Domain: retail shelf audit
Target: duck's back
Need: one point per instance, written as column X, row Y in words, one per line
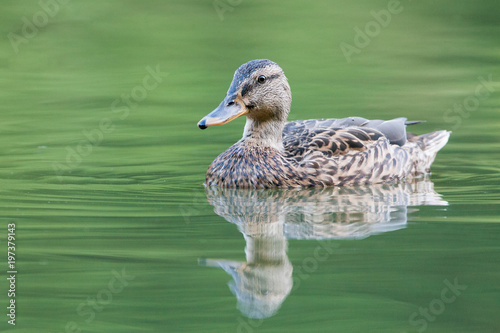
column 329, row 152
column 359, row 151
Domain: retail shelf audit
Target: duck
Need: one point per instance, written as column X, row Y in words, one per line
column 276, row 153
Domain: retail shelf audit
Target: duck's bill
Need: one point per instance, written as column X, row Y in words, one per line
column 224, row 113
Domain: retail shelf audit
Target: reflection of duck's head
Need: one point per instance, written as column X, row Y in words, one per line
column 267, row 218
column 262, row 283
column 260, row 288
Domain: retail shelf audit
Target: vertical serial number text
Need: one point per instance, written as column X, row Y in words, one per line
column 11, row 272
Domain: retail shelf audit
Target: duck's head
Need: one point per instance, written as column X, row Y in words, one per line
column 259, row 90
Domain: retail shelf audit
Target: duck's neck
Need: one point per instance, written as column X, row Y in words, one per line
column 264, row 133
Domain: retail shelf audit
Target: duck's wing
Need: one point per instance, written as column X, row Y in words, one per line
column 338, row 136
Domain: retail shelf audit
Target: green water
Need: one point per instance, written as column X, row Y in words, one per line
column 102, row 166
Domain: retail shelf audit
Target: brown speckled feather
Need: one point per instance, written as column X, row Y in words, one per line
column 318, row 155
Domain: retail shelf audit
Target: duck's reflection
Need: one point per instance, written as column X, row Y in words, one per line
column 267, row 218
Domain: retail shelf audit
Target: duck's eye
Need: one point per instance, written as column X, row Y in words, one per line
column 261, row 79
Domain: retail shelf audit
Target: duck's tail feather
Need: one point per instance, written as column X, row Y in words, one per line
column 433, row 142
column 429, row 145
column 414, row 122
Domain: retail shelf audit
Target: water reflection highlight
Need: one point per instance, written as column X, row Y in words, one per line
column 268, row 218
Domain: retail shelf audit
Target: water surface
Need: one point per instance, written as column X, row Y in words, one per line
column 102, row 167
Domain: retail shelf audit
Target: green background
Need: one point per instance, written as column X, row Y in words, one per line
column 133, row 198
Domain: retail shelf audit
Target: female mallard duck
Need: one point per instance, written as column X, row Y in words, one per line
column 319, row 152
